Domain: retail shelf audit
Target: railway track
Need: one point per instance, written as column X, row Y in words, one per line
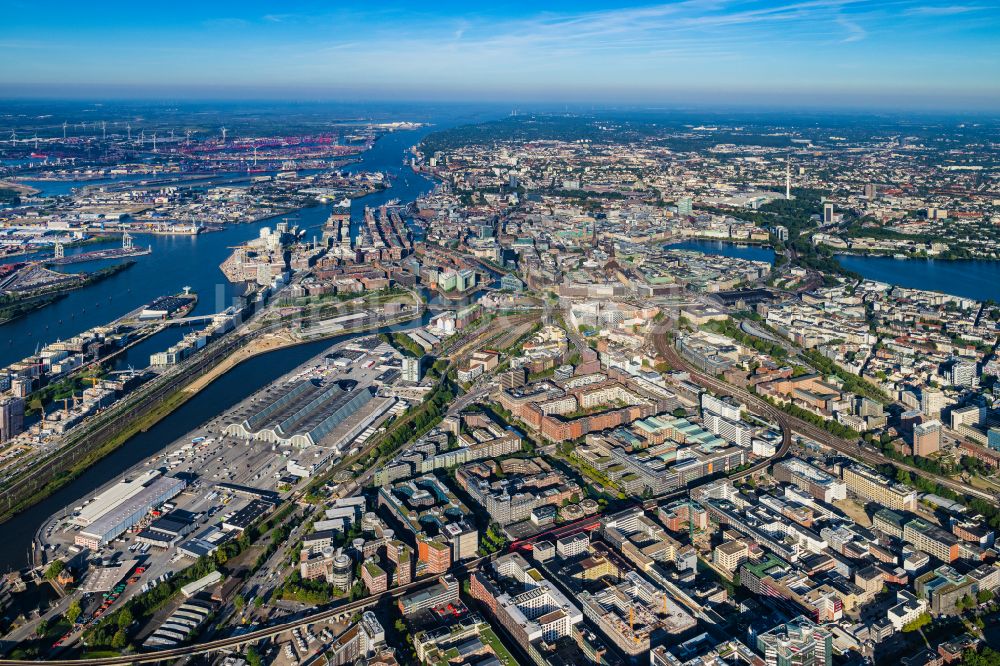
column 666, row 350
column 790, row 424
column 265, row 633
column 91, row 436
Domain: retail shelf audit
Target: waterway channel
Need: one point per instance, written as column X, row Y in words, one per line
column 179, row 261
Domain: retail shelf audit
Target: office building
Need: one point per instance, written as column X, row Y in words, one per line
column 931, row 540
column 973, row 415
column 814, row 481
column 927, row 438
column 441, row 593
column 573, row 545
column 943, row 588
column 993, row 439
column 433, row 553
column 907, row 609
column 870, row 485
column 11, row 417
column 464, row 540
column 964, row 373
column 800, row 642
column 931, row 402
column 731, row 554
column 375, row 577
column 725, row 407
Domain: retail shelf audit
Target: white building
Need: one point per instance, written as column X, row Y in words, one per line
column 908, row 609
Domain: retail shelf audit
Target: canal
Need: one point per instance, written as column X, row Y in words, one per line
column 193, row 261
column 179, row 261
column 222, row 394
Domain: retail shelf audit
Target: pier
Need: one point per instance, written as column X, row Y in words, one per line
column 126, row 250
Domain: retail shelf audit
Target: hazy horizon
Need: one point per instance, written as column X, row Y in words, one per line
column 844, row 54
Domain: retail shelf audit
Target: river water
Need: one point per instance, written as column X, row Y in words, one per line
column 976, row 279
column 751, row 252
column 179, row 261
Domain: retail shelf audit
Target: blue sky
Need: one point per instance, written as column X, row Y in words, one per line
column 915, row 53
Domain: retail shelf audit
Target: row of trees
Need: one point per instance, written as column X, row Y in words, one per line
column 730, row 329
column 990, row 513
column 832, row 427
column 419, row 420
column 852, row 383
column 113, row 629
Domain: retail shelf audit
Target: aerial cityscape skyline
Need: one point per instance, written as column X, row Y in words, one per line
column 573, row 334
column 820, row 53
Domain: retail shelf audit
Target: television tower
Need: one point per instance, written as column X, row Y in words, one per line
column 788, row 181
column 128, row 128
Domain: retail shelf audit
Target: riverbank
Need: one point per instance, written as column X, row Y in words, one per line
column 29, row 302
column 904, row 256
column 179, row 261
column 164, row 407
column 20, row 188
column 976, row 279
column 18, row 309
column 97, row 276
column 723, row 248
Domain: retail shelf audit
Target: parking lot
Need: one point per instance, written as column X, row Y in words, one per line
column 205, row 458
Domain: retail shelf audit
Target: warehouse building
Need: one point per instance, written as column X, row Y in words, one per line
column 303, row 416
column 109, row 525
